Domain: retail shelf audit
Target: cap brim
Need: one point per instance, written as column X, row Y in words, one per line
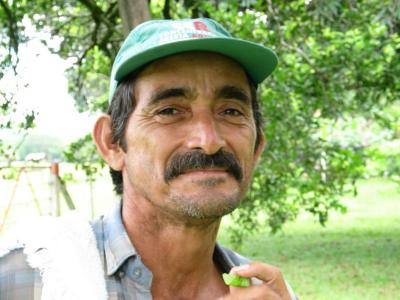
column 257, row 60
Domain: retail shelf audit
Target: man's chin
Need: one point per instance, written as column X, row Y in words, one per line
column 206, row 204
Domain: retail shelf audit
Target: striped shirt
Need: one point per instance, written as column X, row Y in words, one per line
column 127, row 278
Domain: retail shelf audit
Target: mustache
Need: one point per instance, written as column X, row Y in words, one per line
column 198, row 160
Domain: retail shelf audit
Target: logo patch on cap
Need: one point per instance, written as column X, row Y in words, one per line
column 186, row 30
column 199, row 25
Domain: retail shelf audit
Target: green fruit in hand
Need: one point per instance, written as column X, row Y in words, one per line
column 236, row 280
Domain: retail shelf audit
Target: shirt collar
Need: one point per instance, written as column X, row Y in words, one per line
column 222, row 258
column 117, row 245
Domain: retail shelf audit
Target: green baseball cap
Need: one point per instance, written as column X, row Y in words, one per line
column 156, row 39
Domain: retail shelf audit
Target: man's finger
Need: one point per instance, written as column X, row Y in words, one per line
column 267, row 274
column 262, row 271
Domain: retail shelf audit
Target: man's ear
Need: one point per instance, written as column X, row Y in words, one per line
column 260, row 147
column 113, row 154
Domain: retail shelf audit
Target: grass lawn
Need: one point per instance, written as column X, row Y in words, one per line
column 356, row 256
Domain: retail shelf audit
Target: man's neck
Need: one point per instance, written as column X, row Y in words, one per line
column 179, row 254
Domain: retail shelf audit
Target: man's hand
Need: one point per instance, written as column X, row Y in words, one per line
column 272, row 285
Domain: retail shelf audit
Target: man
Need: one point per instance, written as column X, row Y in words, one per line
column 182, row 137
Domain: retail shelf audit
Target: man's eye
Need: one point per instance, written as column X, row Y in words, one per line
column 169, row 111
column 233, row 112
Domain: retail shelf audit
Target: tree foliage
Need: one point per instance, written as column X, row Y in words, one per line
column 12, row 34
column 339, row 60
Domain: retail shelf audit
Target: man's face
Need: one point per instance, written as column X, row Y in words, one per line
column 190, row 142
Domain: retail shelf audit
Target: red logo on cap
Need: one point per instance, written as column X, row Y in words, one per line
column 200, row 25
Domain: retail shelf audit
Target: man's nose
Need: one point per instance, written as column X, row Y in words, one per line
column 205, row 133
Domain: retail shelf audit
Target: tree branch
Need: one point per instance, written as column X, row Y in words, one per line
column 12, row 27
column 96, row 12
column 166, row 9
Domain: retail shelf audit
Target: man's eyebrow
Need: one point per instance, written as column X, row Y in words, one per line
column 234, row 92
column 164, row 94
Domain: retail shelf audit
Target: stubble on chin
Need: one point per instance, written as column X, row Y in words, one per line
column 211, row 206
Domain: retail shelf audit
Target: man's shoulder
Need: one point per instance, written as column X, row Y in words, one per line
column 14, row 259
column 18, row 280
column 57, row 256
column 14, row 264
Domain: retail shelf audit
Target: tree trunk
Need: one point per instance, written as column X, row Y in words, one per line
column 133, row 12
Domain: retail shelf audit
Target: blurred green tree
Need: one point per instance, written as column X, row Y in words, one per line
column 339, row 60
column 52, row 147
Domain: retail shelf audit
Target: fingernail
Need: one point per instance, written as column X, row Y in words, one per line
column 241, row 268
